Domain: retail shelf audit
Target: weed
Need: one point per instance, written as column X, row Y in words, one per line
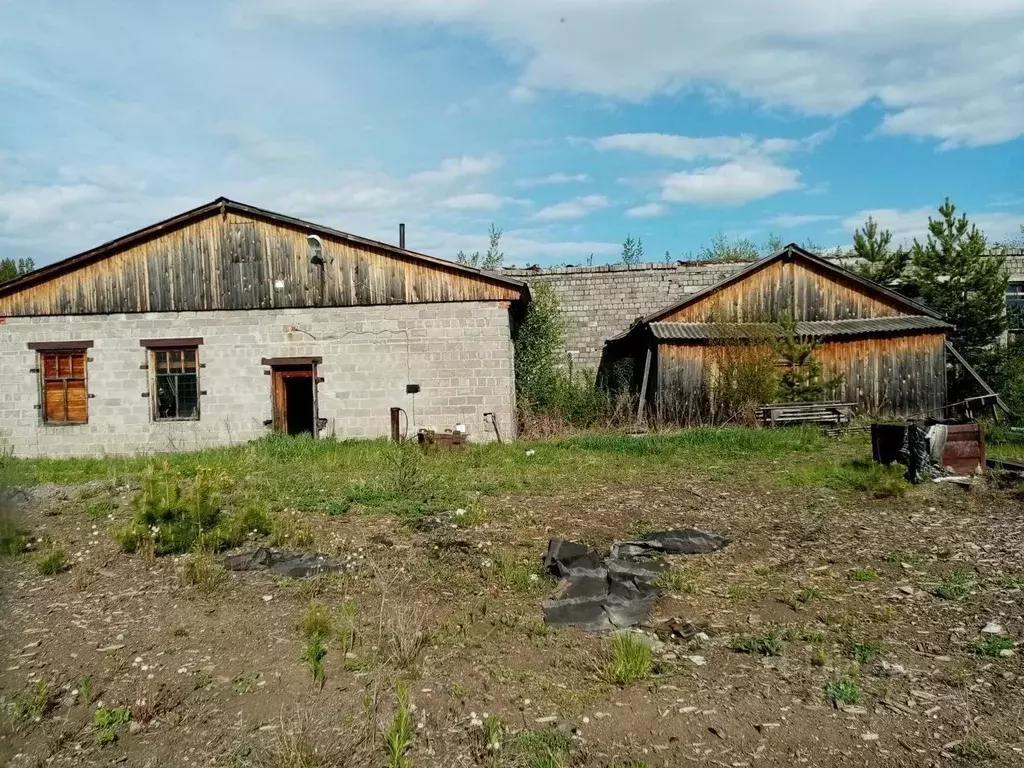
column 313, row 654
column 806, row 595
column 492, row 734
column 767, row 644
column 245, row 683
column 540, row 749
column 202, row 679
column 12, row 538
column 316, row 621
column 908, row 556
column 40, row 702
column 201, row 570
column 53, row 561
column 992, row 645
column 641, row 528
column 1013, row 582
column 107, row 721
column 679, row 581
column 398, row 734
column 865, row 652
column 347, row 628
column 845, row 691
column 819, row 658
column 864, row 574
column 85, row 690
column 954, row 586
column 288, row 531
column 404, row 636
column 973, row 749
column 100, row 509
column 631, row 660
column 858, row 475
column 180, row 632
column 525, row 578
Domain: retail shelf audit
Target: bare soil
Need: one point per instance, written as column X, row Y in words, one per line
column 217, row 678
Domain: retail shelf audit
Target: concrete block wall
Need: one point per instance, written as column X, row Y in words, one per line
column 459, row 353
column 601, row 302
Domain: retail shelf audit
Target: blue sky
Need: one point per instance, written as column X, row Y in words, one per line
column 569, row 123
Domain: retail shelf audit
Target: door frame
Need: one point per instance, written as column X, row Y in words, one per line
column 282, row 369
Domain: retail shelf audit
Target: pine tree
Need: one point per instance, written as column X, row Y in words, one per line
column 10, row 269
column 492, row 259
column 632, row 250
column 876, row 260
column 957, row 280
column 802, row 380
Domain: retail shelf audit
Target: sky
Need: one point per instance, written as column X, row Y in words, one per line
column 570, row 124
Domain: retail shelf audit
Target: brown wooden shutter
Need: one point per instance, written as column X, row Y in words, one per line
column 65, row 396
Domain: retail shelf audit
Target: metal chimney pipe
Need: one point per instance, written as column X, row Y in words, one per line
column 401, row 236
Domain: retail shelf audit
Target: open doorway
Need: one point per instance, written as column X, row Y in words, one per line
column 295, row 395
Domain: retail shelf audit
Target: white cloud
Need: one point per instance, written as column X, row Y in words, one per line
column 552, row 179
column 732, row 183
column 576, row 208
column 680, row 147
column 477, row 201
column 942, row 69
column 647, row 211
column 33, row 206
column 522, row 95
column 455, row 168
column 907, row 224
column 793, row 220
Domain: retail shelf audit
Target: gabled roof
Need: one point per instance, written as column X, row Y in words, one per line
column 812, row 328
column 791, row 251
column 224, row 205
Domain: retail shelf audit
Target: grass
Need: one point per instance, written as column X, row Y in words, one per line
column 864, row 574
column 202, row 571
column 313, row 654
column 107, row 721
column 85, row 690
column 908, row 556
column 861, row 475
column 53, row 561
column 865, row 652
column 631, row 660
column 540, row 749
column 767, row 644
column 844, row 691
column 992, row 645
column 12, row 538
column 398, row 734
column 523, row 577
column 33, row 706
column 973, row 749
column 954, row 586
column 679, row 581
column 492, row 732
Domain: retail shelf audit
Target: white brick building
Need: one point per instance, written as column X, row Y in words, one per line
column 228, row 322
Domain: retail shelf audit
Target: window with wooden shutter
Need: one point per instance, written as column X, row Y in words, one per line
column 65, row 393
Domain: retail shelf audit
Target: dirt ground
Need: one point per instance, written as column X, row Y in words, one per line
column 217, row 678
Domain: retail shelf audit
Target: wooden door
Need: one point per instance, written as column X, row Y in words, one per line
column 288, row 381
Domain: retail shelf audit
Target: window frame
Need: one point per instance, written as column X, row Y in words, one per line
column 57, row 348
column 156, row 347
column 1015, row 306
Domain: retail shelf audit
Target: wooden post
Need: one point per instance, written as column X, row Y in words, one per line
column 643, row 389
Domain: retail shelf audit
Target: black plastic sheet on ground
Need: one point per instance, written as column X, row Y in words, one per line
column 295, row 565
column 601, row 593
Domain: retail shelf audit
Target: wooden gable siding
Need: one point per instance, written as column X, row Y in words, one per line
column 786, row 287
column 231, row 261
column 903, row 374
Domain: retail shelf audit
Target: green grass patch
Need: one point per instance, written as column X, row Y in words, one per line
column 864, row 574
column 908, row 556
column 993, row 645
column 12, row 538
column 524, row 577
column 861, row 475
column 845, row 691
column 107, row 721
column 865, row 652
column 680, row 581
column 631, row 660
column 954, row 586
column 540, row 749
column 52, row 561
column 766, row 644
column 973, row 750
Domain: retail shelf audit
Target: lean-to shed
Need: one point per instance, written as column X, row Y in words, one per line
column 888, row 350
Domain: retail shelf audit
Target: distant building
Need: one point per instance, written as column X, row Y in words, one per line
column 228, row 322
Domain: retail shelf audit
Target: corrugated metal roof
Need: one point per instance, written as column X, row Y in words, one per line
column 816, row 328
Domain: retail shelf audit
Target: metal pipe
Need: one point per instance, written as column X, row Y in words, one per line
column 401, row 236
column 396, row 424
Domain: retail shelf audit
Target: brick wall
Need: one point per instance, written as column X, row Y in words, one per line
column 601, row 302
column 459, row 353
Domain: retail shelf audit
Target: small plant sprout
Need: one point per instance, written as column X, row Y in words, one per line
column 631, row 659
column 398, row 734
column 107, row 721
column 492, row 734
column 992, row 646
column 864, row 652
column 313, row 656
column 844, row 691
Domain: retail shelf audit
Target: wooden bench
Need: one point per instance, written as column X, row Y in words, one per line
column 779, row 414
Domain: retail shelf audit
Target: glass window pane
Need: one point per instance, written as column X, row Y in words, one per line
column 190, row 359
column 188, row 396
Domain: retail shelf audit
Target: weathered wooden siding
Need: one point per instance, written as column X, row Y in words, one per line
column 231, row 261
column 887, row 375
column 783, row 288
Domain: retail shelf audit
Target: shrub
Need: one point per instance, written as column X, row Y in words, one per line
column 631, row 660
